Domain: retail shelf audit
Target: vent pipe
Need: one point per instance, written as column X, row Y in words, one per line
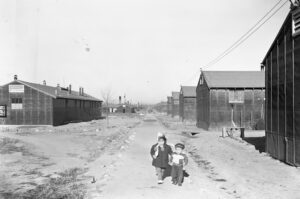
column 70, row 89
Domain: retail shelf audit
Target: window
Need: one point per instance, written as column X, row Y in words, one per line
column 3, row 111
column 236, row 96
column 16, row 100
column 296, row 22
column 16, row 103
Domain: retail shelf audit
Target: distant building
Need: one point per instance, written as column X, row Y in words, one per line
column 228, row 98
column 25, row 103
column 126, row 108
column 282, row 66
column 110, row 108
column 187, row 103
column 175, row 104
column 169, row 105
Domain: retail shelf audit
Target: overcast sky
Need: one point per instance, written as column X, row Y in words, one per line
column 144, row 48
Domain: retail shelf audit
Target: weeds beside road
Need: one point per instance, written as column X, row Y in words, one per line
column 54, row 162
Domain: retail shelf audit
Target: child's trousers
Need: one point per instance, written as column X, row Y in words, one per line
column 160, row 173
column 177, row 173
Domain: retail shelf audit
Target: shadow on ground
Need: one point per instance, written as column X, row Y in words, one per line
column 258, row 142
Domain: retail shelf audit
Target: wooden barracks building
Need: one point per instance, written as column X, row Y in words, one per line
column 228, row 98
column 25, row 103
column 282, row 66
column 187, row 103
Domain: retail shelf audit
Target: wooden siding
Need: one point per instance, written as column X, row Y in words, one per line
column 37, row 107
column 246, row 114
column 282, row 65
column 71, row 110
column 187, row 108
column 214, row 110
column 203, row 106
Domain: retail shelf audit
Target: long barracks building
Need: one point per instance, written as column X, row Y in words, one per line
column 25, row 103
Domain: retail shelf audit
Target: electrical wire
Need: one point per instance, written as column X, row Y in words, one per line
column 243, row 38
column 249, row 33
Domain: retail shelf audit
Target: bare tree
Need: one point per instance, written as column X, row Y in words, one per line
column 107, row 99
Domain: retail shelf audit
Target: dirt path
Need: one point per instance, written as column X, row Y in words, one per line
column 33, row 158
column 134, row 177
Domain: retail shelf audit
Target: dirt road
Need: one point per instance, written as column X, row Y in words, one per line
column 94, row 161
column 134, row 177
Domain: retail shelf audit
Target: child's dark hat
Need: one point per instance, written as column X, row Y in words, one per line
column 179, row 145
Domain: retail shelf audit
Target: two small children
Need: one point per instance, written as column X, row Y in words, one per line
column 163, row 156
column 178, row 161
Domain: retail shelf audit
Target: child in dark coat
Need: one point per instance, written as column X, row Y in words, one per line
column 178, row 161
column 161, row 154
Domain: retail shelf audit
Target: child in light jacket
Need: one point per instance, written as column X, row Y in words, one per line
column 178, row 161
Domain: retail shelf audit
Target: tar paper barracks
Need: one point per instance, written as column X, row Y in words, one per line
column 282, row 66
column 25, row 103
column 187, row 103
column 230, row 98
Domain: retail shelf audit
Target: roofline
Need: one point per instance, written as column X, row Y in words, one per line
column 236, row 87
column 20, row 81
column 182, row 93
column 273, row 43
column 211, row 87
column 48, row 94
column 61, row 97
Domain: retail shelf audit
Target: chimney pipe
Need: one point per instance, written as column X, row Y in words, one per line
column 44, row 82
column 57, row 89
column 82, row 91
column 15, row 77
column 70, row 89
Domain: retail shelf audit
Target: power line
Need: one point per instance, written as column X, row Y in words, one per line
column 192, row 77
column 247, row 32
column 250, row 32
column 243, row 38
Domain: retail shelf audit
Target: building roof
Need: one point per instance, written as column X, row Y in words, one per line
column 188, row 91
column 53, row 92
column 234, row 79
column 175, row 95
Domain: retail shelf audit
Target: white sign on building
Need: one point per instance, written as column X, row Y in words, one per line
column 16, row 106
column 16, row 88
